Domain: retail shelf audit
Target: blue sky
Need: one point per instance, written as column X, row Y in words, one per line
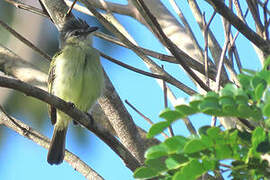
column 23, row 159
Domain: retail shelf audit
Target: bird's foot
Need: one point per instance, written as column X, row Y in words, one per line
column 71, row 104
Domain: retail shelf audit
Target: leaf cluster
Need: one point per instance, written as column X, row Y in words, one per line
column 213, row 150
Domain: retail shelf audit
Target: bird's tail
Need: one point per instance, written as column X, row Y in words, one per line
column 57, row 147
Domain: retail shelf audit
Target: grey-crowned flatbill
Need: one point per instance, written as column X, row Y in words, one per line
column 76, row 76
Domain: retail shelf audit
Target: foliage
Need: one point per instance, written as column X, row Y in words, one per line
column 213, row 150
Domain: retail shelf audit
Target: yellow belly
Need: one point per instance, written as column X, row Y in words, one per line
column 78, row 77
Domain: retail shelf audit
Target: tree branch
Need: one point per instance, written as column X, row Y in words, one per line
column 28, row 132
column 12, row 64
column 177, row 84
column 113, row 7
column 28, row 43
column 76, row 114
column 26, row 7
column 113, row 106
column 221, row 8
column 169, row 44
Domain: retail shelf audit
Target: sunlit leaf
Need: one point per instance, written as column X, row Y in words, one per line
column 193, row 146
column 145, row 172
column 171, row 115
column 156, row 151
column 157, row 128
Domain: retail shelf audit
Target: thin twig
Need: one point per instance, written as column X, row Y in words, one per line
column 253, row 7
column 214, row 121
column 266, row 24
column 262, row 4
column 162, row 77
column 26, row 7
column 192, row 63
column 166, row 101
column 12, row 120
column 144, row 117
column 205, row 35
column 25, row 41
column 71, row 7
column 238, row 10
column 227, row 30
column 252, row 36
column 169, row 44
column 187, row 26
column 153, row 66
column 232, row 42
column 221, row 62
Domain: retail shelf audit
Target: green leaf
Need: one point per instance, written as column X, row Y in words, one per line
column 175, row 161
column 241, row 96
column 244, row 111
column 245, row 136
column 226, row 100
column 191, row 171
column 209, row 164
column 171, row 115
column 228, row 91
column 266, row 63
column 156, row 164
column 258, row 136
column 195, row 100
column 156, row 151
column 194, row 145
column 259, row 91
column 186, row 110
column 265, row 74
column 175, row 143
column 223, row 152
column 229, row 110
column 256, row 80
column 207, row 141
column 144, row 173
column 211, row 94
column 202, row 130
column 257, row 114
column 213, row 132
column 266, row 109
column 263, row 147
column 157, row 128
column 249, row 71
column 210, row 106
column 244, row 80
column 179, row 175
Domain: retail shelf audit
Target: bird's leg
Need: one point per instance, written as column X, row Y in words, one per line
column 90, row 117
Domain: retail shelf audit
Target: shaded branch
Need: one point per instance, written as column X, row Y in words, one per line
column 113, row 7
column 26, row 7
column 24, row 40
column 12, row 64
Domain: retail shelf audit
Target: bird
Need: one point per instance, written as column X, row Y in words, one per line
column 76, row 76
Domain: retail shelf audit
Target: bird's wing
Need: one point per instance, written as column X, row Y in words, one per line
column 51, row 77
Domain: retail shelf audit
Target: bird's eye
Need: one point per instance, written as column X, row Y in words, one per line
column 76, row 33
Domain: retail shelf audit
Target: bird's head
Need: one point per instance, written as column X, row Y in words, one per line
column 76, row 31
